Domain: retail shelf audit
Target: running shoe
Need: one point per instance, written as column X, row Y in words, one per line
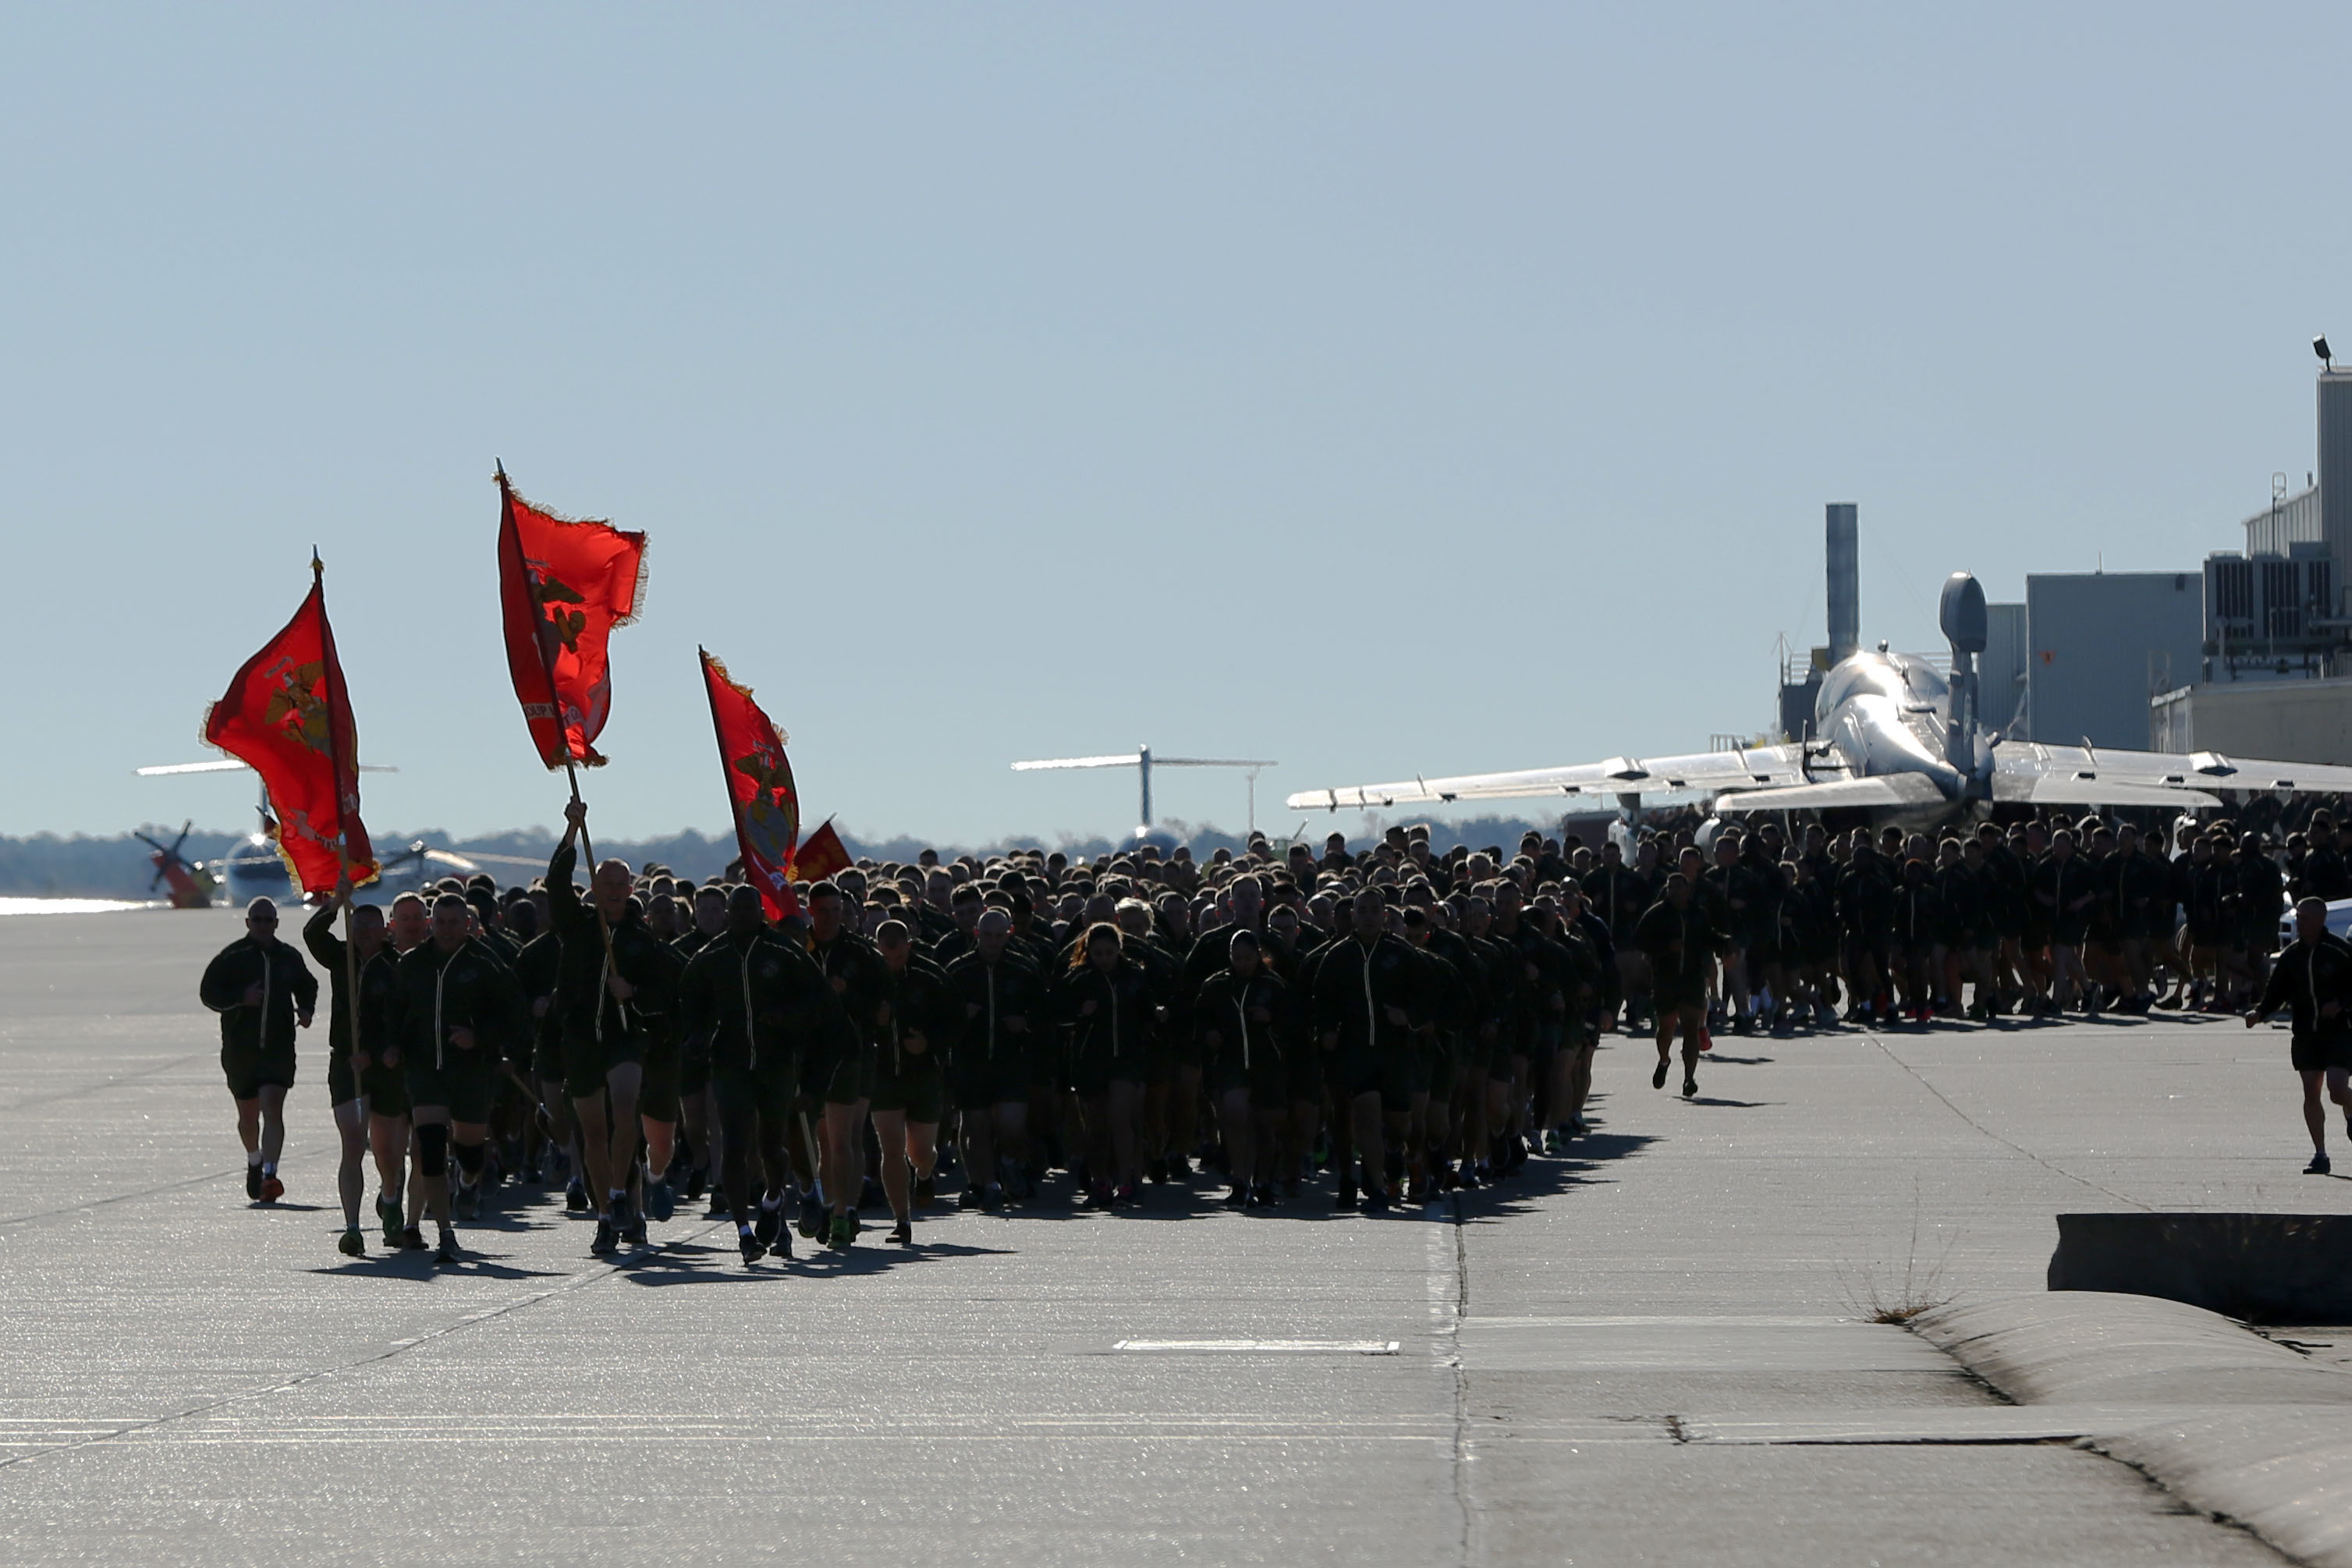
column 767, row 1224
column 468, row 1200
column 1376, row 1202
column 575, row 1198
column 1344, row 1201
column 1658, row 1078
column 1553, row 1140
column 2319, row 1166
column 812, row 1224
column 695, row 1180
column 926, row 1190
column 1123, row 1194
column 1238, row 1197
column 447, row 1251
column 1156, row 1171
column 661, row 1200
column 607, row 1242
column 843, row 1234
column 968, row 1199
column 903, row 1232
column 253, row 1182
column 1262, row 1196
column 412, row 1239
column 387, row 1214
column 991, row 1197
column 272, row 1189
column 720, row 1207
column 631, row 1221
column 753, row 1247
column 353, row 1244
column 1690, row 1085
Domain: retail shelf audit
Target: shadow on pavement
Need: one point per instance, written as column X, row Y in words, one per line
column 1550, row 1176
column 421, row 1267
column 689, row 1264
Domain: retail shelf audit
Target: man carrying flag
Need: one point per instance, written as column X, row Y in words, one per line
column 287, row 716
column 563, row 586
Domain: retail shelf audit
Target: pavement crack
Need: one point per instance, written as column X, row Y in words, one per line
column 286, row 1158
column 118, row 1081
column 202, row 1407
column 1676, row 1429
column 1981, row 1127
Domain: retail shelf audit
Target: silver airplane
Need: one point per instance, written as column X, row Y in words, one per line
column 1892, row 735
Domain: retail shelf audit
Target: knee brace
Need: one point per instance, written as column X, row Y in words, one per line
column 470, row 1161
column 432, row 1150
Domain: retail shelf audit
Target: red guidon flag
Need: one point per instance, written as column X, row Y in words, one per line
column 286, row 715
column 759, row 786
column 563, row 587
column 821, row 856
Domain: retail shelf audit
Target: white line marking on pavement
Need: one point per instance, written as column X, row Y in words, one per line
column 1278, row 1347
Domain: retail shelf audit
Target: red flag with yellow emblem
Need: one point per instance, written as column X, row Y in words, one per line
column 759, row 787
column 821, row 856
column 563, row 587
column 287, row 716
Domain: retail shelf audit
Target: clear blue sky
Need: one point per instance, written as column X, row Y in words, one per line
column 1382, row 389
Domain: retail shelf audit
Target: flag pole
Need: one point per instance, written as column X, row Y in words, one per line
column 342, row 833
column 554, row 701
column 702, row 661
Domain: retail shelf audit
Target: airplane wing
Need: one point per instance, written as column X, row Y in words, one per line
column 1889, row 790
column 2094, row 775
column 1761, row 767
column 2053, row 789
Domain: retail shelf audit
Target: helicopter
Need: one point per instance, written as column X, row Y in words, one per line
column 192, row 886
column 253, row 869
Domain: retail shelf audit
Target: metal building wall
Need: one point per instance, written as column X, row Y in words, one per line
column 2292, row 520
column 2336, row 459
column 2000, row 669
column 2286, row 721
column 2100, row 645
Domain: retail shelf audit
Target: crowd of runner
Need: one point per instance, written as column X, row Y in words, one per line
column 1402, row 1021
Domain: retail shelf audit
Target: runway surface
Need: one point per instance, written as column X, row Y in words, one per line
column 1616, row 1358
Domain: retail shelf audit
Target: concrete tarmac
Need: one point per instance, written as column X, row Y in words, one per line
column 1654, row 1351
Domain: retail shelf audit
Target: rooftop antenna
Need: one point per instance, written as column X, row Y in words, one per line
column 2319, row 347
column 1143, row 762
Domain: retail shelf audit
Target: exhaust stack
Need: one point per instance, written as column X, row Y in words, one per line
column 1844, row 555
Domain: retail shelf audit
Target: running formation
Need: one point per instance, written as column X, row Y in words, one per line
column 1398, row 1022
